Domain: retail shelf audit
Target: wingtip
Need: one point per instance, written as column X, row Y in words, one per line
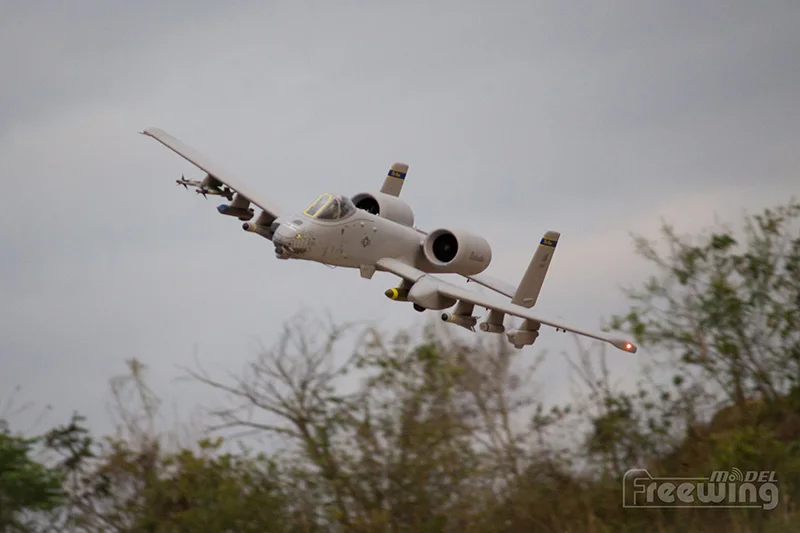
column 629, row 347
column 625, row 346
column 151, row 131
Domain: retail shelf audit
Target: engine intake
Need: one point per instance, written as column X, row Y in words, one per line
column 457, row 251
column 385, row 206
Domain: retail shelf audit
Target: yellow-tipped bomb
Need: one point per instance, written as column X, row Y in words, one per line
column 400, row 295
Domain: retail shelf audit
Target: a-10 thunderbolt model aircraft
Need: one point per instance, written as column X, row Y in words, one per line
column 374, row 231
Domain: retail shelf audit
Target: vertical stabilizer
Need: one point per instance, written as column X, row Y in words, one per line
column 395, row 178
column 528, row 291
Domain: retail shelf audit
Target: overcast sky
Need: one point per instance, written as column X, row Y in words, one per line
column 515, row 117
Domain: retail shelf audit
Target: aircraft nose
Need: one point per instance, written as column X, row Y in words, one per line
column 282, row 234
column 279, row 230
column 284, row 238
column 273, row 228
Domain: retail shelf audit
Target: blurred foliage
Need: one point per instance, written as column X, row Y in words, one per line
column 433, row 434
column 26, row 485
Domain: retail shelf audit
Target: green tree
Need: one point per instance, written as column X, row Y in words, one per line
column 726, row 306
column 203, row 490
column 421, row 444
column 27, row 487
column 136, row 481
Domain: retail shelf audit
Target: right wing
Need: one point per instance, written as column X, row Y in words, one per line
column 433, row 284
column 202, row 162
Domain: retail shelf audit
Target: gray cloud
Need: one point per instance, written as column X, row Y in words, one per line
column 514, row 120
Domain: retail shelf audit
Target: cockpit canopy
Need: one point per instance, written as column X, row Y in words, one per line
column 330, row 207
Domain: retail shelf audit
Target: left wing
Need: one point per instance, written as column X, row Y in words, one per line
column 199, row 160
column 433, row 284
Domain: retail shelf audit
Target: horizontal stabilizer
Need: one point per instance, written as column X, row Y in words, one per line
column 395, row 178
column 531, row 285
column 497, row 285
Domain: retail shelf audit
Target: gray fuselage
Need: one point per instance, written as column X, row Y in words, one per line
column 360, row 239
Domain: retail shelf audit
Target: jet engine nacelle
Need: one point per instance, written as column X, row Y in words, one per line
column 385, row 206
column 457, row 251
